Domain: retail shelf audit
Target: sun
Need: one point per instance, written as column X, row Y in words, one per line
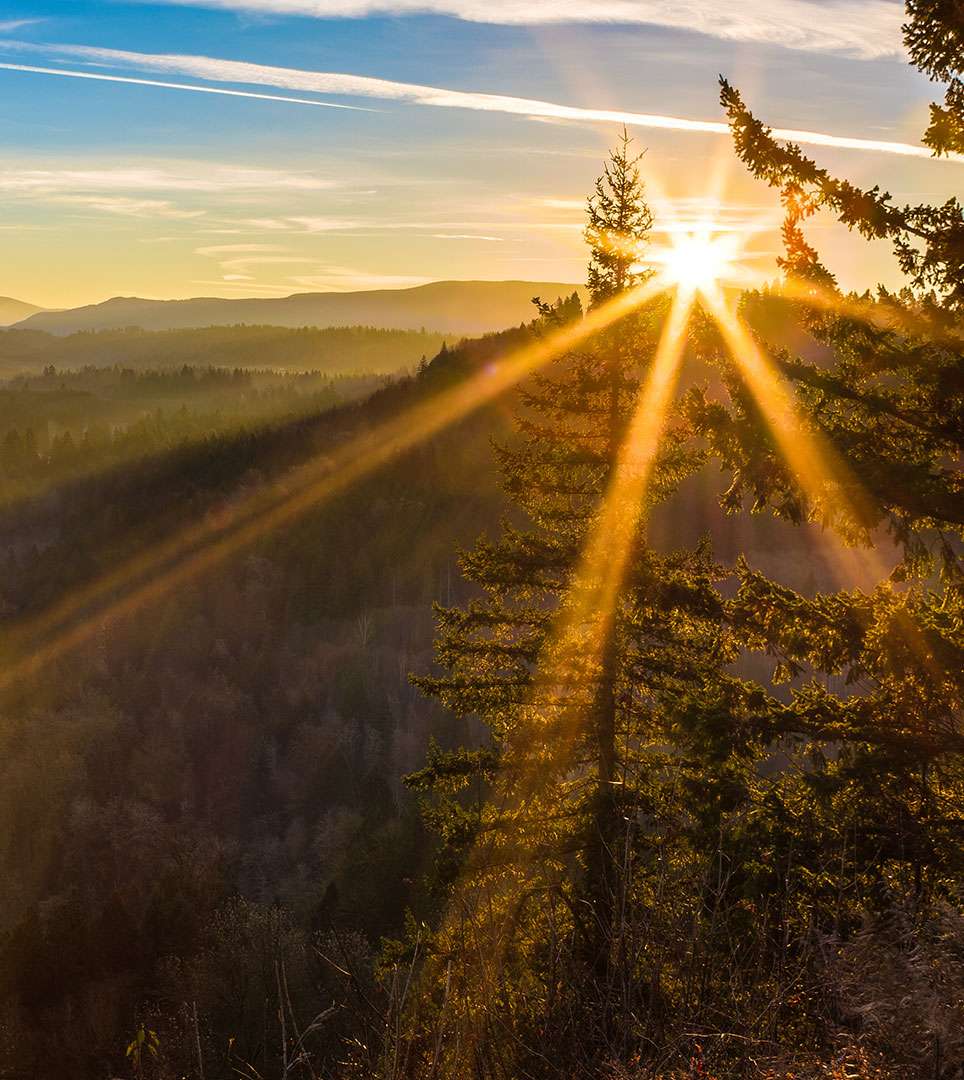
column 697, row 262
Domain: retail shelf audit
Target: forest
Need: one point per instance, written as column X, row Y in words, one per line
column 581, row 700
column 349, row 350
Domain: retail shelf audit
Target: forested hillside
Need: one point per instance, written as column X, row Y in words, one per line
column 356, row 350
column 63, row 425
column 193, row 797
column 224, row 776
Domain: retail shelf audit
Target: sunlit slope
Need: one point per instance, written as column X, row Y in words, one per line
column 457, row 307
column 116, row 514
column 258, row 717
column 13, row 311
column 349, row 350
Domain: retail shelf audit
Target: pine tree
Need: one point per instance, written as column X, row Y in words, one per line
column 876, row 815
column 577, row 783
column 934, row 36
column 891, row 401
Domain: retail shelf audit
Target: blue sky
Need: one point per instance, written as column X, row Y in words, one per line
column 438, row 170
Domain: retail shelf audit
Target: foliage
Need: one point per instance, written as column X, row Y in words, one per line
column 666, row 849
column 552, row 860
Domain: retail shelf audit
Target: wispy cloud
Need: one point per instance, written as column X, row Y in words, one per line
column 153, row 190
column 217, row 250
column 234, row 71
column 10, row 26
column 207, row 179
column 235, row 260
column 323, row 224
column 239, row 285
column 862, row 28
column 97, row 77
column 564, row 204
column 125, row 206
column 324, row 278
column 467, row 236
column 346, row 278
column 244, row 263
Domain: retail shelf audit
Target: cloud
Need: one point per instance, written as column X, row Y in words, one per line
column 9, row 26
column 244, row 263
column 134, row 190
column 125, row 206
column 346, row 278
column 323, row 224
column 267, row 224
column 247, row 288
column 176, row 86
column 297, row 225
column 235, row 260
column 206, row 179
column 235, row 71
column 216, row 250
column 861, row 28
column 466, row 236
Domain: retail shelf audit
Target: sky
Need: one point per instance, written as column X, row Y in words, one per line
column 265, row 147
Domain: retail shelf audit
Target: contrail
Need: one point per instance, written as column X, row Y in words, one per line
column 214, row 69
column 180, row 86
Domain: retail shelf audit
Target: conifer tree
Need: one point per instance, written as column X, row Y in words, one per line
column 579, row 779
column 882, row 789
column 891, row 399
column 934, row 36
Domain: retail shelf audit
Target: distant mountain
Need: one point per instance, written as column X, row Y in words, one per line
column 14, row 311
column 452, row 307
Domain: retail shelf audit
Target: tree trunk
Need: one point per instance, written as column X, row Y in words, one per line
column 602, row 864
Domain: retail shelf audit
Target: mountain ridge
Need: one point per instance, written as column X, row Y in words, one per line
column 13, row 311
column 459, row 307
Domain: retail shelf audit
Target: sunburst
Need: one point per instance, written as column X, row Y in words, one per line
column 699, row 261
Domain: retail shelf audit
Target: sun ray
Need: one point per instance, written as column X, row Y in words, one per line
column 495, row 882
column 823, row 476
column 191, row 551
column 822, row 473
column 500, row 883
column 603, row 561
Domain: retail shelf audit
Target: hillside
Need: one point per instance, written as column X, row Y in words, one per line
column 347, row 350
column 14, row 311
column 453, row 307
column 238, row 781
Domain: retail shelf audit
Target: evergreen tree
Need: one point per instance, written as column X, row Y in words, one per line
column 586, row 712
column 934, row 36
column 890, row 402
column 876, row 815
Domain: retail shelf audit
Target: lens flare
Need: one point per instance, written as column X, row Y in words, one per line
column 697, row 262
